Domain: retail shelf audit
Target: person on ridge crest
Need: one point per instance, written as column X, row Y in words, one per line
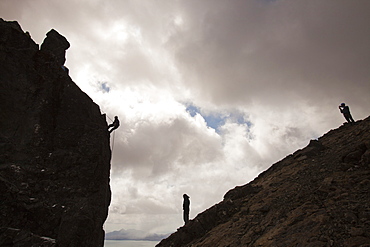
column 346, row 113
column 185, row 207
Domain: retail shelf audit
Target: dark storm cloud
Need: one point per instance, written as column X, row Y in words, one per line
column 249, row 51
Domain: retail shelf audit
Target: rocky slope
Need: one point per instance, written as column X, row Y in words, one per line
column 318, row 196
column 54, row 148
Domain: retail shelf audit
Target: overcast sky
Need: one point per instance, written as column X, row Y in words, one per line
column 209, row 92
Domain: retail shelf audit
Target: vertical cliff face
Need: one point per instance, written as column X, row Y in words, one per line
column 54, row 148
column 318, row 196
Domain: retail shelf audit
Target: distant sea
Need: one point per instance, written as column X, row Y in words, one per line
column 129, row 243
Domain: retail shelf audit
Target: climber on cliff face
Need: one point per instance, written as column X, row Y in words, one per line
column 115, row 124
column 185, row 207
column 346, row 113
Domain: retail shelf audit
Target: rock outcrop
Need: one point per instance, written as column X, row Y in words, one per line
column 318, row 196
column 54, row 148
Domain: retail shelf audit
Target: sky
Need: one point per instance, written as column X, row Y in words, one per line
column 209, row 93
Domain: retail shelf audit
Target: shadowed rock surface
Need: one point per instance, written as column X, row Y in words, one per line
column 54, row 148
column 318, row 196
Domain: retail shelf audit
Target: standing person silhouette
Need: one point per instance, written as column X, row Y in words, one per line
column 186, row 208
column 115, row 124
column 346, row 113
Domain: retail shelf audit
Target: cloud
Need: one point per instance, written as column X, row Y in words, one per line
column 275, row 54
column 209, row 93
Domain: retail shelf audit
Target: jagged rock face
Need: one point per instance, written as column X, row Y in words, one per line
column 54, row 148
column 318, row 196
column 56, row 45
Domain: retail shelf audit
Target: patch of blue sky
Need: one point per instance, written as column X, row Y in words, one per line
column 192, row 110
column 240, row 118
column 104, row 87
column 213, row 120
column 216, row 120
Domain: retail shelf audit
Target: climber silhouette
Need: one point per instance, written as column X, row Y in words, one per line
column 346, row 113
column 115, row 124
column 185, row 207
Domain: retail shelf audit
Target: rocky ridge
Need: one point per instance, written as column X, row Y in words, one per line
column 318, row 196
column 54, row 148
